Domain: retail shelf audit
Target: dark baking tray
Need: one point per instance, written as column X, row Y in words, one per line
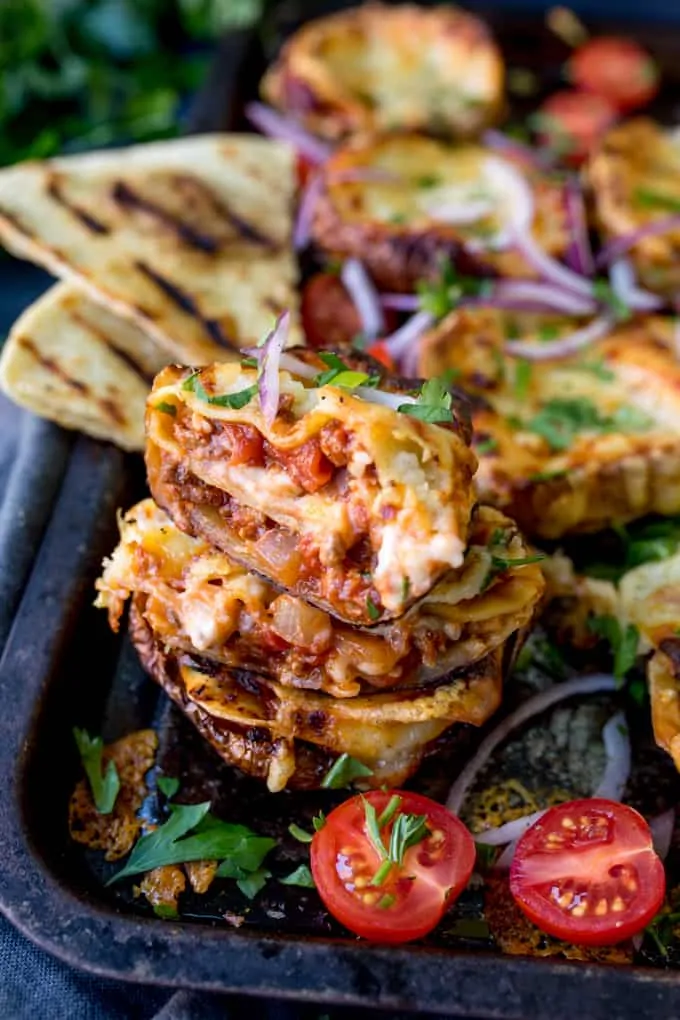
column 61, row 666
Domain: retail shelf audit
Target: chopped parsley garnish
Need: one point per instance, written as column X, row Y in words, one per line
column 318, row 821
column 343, row 771
column 548, row 333
column 191, row 833
column 233, row 400
column 640, row 542
column 397, row 218
column 656, row 200
column 523, row 370
column 433, row 403
column 104, row 785
column 405, row 587
column 541, row 652
column 596, row 367
column 340, row 374
column 499, row 564
column 560, row 420
column 165, row 408
column 623, row 642
column 547, row 476
column 605, row 294
column 372, row 609
column 249, row 363
column 662, row 930
column 407, row 831
column 488, row 445
column 301, row 877
column 168, row 785
column 428, row 181
column 441, row 296
column 299, row 834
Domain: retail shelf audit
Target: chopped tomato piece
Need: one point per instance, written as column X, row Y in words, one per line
column 571, row 123
column 363, row 887
column 308, row 465
column 380, row 351
column 617, row 69
column 586, row 872
column 247, row 445
column 304, row 168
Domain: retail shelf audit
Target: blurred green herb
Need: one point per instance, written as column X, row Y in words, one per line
column 640, row 542
column 623, row 642
column 104, row 784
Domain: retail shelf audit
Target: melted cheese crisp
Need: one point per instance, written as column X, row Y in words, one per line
column 357, row 507
column 635, row 180
column 574, row 444
column 389, row 67
column 197, row 599
column 402, row 202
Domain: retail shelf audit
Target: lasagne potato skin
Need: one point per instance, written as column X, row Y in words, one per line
column 602, row 478
column 636, row 160
column 376, row 67
column 290, row 738
column 392, row 225
column 381, row 521
column 198, row 600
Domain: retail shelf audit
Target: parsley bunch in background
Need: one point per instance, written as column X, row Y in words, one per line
column 75, row 74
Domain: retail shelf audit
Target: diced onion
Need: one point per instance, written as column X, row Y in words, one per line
column 620, row 245
column 272, row 123
column 269, row 384
column 365, row 297
column 279, row 550
column 622, row 279
column 662, row 828
column 305, row 212
column 409, row 334
column 591, row 684
column 563, row 347
column 299, row 624
column 617, row 749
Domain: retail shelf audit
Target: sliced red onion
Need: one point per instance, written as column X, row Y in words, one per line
column 391, row 400
column 400, row 302
column 365, row 297
column 269, row 383
column 287, row 362
column 563, row 347
column 502, row 178
column 547, row 294
column 511, row 147
column 547, row 267
column 662, row 828
column 620, row 245
column 305, row 212
column 272, row 123
column 460, row 212
column 510, row 832
column 505, row 860
column 408, row 335
column 580, row 255
column 637, row 941
column 622, row 279
column 591, row 684
column 675, row 340
column 617, row 749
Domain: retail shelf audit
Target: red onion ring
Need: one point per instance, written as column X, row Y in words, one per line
column 563, row 347
column 510, row 832
column 580, row 255
column 409, row 334
column 545, row 293
column 400, row 302
column 549, row 268
column 617, row 769
column 269, row 383
column 511, row 147
column 620, row 245
column 305, row 212
column 592, row 684
column 622, row 279
column 365, row 297
column 663, row 827
column 272, row 123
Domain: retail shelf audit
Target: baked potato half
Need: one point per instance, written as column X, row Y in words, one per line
column 404, row 202
column 634, row 176
column 379, row 67
column 570, row 445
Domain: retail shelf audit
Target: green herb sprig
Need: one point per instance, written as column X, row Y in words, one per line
column 235, row 401
column 105, row 785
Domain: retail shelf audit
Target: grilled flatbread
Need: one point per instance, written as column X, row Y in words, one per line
column 188, row 239
column 73, row 361
column 341, row 500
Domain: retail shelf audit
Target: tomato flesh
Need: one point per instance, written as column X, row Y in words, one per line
column 414, row 896
column 586, row 872
column 617, row 69
column 573, row 122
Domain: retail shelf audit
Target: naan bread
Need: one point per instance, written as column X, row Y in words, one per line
column 76, row 363
column 189, row 239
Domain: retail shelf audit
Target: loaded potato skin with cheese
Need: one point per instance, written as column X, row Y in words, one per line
column 378, row 67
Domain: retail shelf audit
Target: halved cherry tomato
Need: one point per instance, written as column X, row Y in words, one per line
column 617, row 69
column 572, row 123
column 586, row 872
column 412, row 897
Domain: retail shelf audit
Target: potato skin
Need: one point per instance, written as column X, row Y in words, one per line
column 399, row 254
column 320, row 75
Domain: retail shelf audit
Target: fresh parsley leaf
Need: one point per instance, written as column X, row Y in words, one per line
column 168, row 785
column 441, row 295
column 165, row 408
column 398, row 218
column 622, row 641
column 165, row 911
column 251, row 884
column 428, row 181
column 560, row 420
column 433, row 403
column 343, row 771
column 662, row 930
column 596, row 367
column 104, row 786
column 523, row 370
column 301, row 877
column 191, row 833
column 299, row 834
column 250, row 363
column 628, row 419
column 487, row 445
column 656, row 200
column 548, row 333
column 372, row 609
column 407, row 831
column 547, row 476
column 233, row 400
column 605, row 294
